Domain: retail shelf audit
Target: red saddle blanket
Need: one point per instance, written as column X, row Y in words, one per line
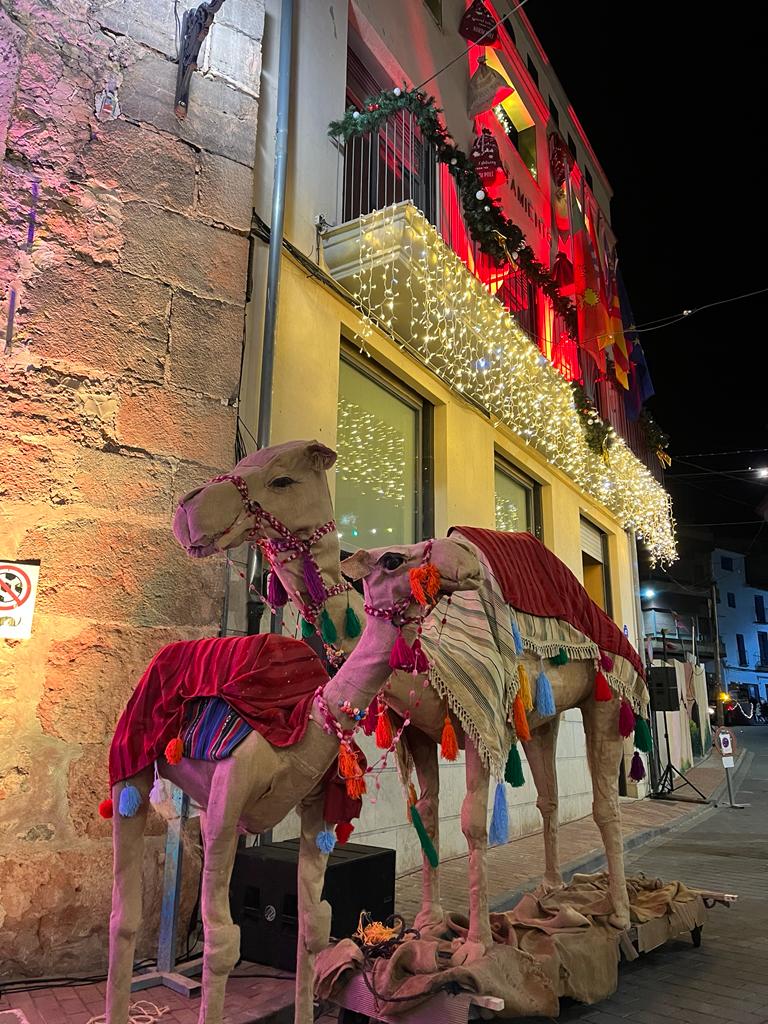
column 536, row 582
column 268, row 680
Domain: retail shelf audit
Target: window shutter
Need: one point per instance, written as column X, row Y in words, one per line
column 592, row 541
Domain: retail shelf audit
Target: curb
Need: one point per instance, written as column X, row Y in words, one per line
column 595, row 861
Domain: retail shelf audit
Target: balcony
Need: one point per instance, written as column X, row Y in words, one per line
column 394, row 197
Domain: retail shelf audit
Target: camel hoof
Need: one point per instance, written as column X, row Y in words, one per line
column 468, row 952
column 549, row 885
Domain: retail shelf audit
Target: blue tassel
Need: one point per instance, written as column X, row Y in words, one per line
column 325, row 841
column 545, row 701
column 499, row 832
column 517, row 638
column 130, row 802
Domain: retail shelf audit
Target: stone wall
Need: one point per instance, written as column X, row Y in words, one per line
column 118, row 394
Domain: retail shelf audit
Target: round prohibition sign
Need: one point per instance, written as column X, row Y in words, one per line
column 15, row 587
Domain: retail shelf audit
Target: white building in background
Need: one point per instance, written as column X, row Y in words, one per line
column 743, row 617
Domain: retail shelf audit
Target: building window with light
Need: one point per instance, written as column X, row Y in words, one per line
column 382, row 479
column 595, row 565
column 517, row 500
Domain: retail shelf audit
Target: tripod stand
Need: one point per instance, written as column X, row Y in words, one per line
column 665, row 787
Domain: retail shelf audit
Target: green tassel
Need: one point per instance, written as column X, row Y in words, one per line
column 513, row 773
column 352, row 625
column 561, row 658
column 307, row 629
column 327, row 629
column 426, row 843
column 643, row 739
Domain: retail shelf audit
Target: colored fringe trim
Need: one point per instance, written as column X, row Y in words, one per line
column 521, row 722
column 325, row 841
column 637, row 768
column 426, row 843
column 384, row 732
column 602, row 689
column 513, row 773
column 343, row 831
column 449, row 745
column 401, row 656
column 517, row 638
column 276, row 595
column 352, row 626
column 499, row 831
column 314, row 581
column 525, row 688
column 626, row 719
column 307, row 629
column 174, row 750
column 545, row 699
column 561, row 658
column 106, row 808
column 643, row 740
column 129, row 802
column 327, row 629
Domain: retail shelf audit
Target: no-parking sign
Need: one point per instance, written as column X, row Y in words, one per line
column 18, row 589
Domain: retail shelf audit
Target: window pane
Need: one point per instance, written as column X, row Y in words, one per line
column 376, row 471
column 512, row 504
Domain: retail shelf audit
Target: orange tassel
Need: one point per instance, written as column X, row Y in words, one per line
column 348, row 766
column 449, row 745
column 412, row 798
column 521, row 722
column 356, row 787
column 525, row 688
column 174, row 751
column 383, row 730
column 425, row 583
column 602, row 689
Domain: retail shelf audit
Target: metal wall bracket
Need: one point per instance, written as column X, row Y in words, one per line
column 195, row 26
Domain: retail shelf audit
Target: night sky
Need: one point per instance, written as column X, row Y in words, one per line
column 673, row 111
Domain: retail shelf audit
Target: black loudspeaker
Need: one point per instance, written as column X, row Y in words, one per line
column 263, row 896
column 662, row 687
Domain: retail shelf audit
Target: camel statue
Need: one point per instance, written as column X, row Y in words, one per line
column 258, row 783
column 279, row 498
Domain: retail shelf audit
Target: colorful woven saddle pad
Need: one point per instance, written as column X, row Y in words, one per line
column 213, row 730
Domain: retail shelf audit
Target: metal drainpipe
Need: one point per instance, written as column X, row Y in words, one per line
column 255, row 605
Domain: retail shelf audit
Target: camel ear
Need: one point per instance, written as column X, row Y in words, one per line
column 319, row 456
column 357, row 566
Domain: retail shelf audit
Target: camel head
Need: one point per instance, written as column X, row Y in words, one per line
column 419, row 572
column 288, row 481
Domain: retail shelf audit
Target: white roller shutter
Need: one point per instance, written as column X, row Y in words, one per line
column 591, row 540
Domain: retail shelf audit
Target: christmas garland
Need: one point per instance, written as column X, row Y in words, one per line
column 495, row 234
column 655, row 438
column 598, row 434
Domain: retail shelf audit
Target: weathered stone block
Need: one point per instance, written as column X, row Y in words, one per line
column 190, row 475
column 117, row 481
column 151, row 24
column 142, row 164
column 245, row 15
column 225, row 192
column 206, row 343
column 34, row 470
column 11, row 42
column 120, row 572
column 233, row 56
column 201, row 259
column 168, row 423
column 220, row 119
column 98, row 318
column 36, row 814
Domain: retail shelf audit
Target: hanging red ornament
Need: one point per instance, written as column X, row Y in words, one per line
column 478, row 25
column 487, row 160
column 487, row 88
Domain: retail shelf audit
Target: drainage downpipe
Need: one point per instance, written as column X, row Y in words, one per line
column 255, row 605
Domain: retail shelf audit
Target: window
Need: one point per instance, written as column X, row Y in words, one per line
column 517, row 500
column 588, row 178
column 572, row 147
column 381, row 472
column 741, row 649
column 594, row 563
column 515, row 120
column 731, row 600
column 726, row 563
column 759, row 608
column 762, row 639
column 554, row 112
column 532, row 69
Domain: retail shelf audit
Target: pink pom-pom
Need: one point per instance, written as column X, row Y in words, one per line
column 606, row 661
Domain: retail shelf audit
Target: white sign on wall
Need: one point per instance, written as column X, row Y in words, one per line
column 18, row 590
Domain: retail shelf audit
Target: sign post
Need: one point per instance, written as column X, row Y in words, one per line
column 725, row 744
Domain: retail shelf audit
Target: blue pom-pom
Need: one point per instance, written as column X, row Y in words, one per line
column 517, row 638
column 499, row 831
column 130, row 802
column 545, row 701
column 325, row 841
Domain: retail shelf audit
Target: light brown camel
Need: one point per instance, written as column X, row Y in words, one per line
column 281, row 494
column 255, row 787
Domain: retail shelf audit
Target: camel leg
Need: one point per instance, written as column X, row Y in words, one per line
column 540, row 753
column 424, row 753
column 314, row 913
column 128, row 857
column 474, row 825
column 230, row 787
column 605, row 748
